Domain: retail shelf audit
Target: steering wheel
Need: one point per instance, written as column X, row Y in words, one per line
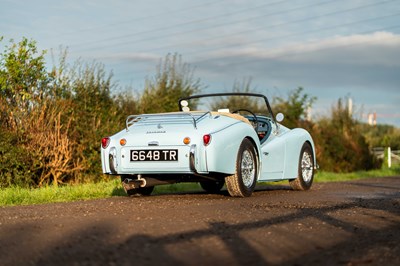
column 255, row 122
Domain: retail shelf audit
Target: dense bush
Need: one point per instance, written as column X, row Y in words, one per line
column 341, row 145
column 52, row 122
column 16, row 164
column 57, row 117
column 381, row 136
column 295, row 107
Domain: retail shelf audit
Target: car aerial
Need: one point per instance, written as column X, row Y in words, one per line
column 218, row 139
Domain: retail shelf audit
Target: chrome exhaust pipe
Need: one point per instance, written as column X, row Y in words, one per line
column 129, row 183
column 150, row 182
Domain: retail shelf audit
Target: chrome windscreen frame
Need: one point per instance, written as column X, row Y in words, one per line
column 233, row 94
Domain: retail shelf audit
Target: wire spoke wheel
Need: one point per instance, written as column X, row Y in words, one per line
column 305, row 170
column 307, row 166
column 243, row 182
column 247, row 167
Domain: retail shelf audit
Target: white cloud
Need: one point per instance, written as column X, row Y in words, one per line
column 357, row 61
column 373, row 48
column 132, row 57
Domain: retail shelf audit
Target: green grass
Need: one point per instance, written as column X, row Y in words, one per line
column 24, row 196
column 334, row 177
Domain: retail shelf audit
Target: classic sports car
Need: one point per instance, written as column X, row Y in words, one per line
column 234, row 140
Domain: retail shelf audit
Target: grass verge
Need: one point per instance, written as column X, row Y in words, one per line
column 335, row 177
column 23, row 196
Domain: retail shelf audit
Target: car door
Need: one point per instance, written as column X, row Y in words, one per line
column 273, row 157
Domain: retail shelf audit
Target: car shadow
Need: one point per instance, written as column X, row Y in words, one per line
column 98, row 242
column 119, row 191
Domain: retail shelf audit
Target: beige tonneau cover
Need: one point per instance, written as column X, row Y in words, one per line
column 235, row 116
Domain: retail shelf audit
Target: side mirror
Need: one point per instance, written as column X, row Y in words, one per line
column 279, row 117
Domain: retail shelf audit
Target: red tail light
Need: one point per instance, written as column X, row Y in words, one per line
column 105, row 142
column 206, row 139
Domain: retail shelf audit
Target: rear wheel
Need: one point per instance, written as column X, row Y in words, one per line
column 306, row 169
column 212, row 186
column 243, row 182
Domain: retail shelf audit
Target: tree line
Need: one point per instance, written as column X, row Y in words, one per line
column 52, row 121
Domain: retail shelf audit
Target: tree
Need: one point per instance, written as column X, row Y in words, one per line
column 254, row 104
column 24, row 81
column 36, row 115
column 173, row 80
column 294, row 108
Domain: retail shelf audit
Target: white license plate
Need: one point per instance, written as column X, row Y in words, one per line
column 154, row 155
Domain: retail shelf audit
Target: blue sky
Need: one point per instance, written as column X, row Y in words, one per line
column 333, row 49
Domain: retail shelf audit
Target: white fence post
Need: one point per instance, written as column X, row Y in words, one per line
column 389, row 157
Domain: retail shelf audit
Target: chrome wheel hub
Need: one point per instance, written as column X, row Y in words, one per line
column 247, row 168
column 306, row 167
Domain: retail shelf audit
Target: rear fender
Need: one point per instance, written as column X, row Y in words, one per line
column 109, row 158
column 222, row 151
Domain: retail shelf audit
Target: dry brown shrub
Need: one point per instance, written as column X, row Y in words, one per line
column 49, row 141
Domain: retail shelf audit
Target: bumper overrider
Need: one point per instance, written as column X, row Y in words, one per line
column 192, row 159
column 112, row 160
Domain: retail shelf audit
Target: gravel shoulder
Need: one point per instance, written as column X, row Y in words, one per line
column 344, row 223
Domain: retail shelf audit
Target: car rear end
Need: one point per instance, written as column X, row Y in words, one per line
column 155, row 144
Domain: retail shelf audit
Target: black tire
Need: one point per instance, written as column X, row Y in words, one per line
column 243, row 182
column 142, row 191
column 305, row 170
column 212, row 186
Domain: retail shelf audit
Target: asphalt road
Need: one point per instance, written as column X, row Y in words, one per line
column 347, row 223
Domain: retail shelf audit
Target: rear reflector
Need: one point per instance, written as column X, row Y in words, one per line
column 206, row 139
column 105, row 142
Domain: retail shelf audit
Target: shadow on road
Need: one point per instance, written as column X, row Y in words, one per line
column 98, row 243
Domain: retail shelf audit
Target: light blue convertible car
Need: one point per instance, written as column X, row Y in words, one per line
column 215, row 139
